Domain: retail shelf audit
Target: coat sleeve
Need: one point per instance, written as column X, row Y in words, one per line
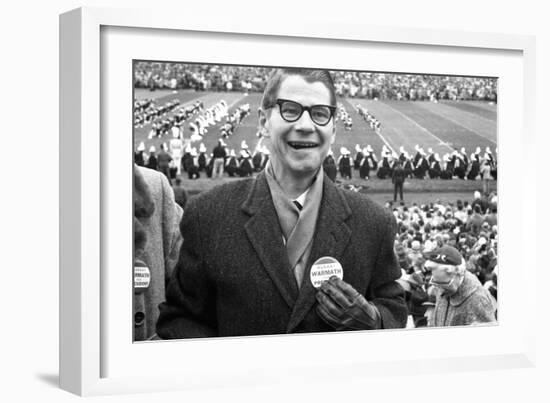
column 189, row 310
column 171, row 217
column 384, row 292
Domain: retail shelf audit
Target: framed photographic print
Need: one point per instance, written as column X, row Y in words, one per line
column 147, row 88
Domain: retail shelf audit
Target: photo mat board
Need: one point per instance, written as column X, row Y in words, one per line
column 346, row 56
column 97, row 355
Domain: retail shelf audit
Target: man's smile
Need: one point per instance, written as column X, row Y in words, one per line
column 302, row 144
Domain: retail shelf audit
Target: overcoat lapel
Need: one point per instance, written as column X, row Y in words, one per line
column 331, row 238
column 264, row 233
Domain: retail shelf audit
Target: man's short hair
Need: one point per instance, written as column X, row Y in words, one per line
column 309, row 75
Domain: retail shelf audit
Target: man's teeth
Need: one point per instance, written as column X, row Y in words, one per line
column 301, row 144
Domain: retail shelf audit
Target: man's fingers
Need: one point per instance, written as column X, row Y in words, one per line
column 347, row 290
column 329, row 304
column 336, row 294
column 327, row 317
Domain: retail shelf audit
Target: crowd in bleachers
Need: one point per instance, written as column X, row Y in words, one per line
column 468, row 226
column 369, row 85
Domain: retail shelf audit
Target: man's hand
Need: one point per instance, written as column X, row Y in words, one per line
column 342, row 307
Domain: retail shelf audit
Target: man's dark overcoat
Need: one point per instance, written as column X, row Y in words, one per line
column 233, row 277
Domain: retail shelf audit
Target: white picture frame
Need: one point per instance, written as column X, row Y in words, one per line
column 94, row 356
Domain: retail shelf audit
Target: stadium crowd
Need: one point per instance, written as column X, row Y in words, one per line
column 369, row 85
column 468, row 226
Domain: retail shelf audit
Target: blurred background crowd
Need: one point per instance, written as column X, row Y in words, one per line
column 369, row 85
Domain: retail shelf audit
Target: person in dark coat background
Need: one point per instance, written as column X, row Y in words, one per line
column 249, row 245
column 139, row 158
column 398, row 178
column 344, row 163
column 475, row 168
column 152, row 162
column 329, row 166
column 231, row 164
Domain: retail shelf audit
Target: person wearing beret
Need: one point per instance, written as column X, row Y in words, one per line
column 249, row 245
column 460, row 297
column 157, row 240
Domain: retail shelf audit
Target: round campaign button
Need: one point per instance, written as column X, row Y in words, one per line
column 142, row 277
column 323, row 269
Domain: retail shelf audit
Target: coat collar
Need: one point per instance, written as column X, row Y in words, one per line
column 469, row 285
column 331, row 237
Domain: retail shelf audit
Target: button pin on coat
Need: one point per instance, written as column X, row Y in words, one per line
column 323, row 269
column 142, row 276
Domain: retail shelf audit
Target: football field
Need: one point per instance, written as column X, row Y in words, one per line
column 443, row 126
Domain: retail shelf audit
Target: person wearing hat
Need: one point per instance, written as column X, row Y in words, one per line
column 202, row 158
column 359, row 155
column 385, row 168
column 329, row 166
column 344, row 163
column 421, row 165
column 139, row 157
column 176, row 148
column 251, row 247
column 231, row 164
column 245, row 164
column 474, row 168
column 193, row 167
column 460, row 297
column 435, row 167
column 152, row 162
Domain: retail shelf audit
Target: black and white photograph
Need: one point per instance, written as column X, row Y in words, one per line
column 272, row 200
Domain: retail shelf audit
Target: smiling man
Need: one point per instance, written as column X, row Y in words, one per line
column 251, row 248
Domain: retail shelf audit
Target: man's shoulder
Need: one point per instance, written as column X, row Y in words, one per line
column 152, row 176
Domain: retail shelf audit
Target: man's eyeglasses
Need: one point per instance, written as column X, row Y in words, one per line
column 292, row 111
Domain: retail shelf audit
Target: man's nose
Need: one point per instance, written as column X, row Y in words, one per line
column 305, row 123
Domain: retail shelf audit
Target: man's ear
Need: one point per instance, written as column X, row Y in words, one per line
column 333, row 137
column 262, row 122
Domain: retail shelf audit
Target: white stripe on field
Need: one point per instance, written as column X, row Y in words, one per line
column 385, row 141
column 464, row 127
column 420, row 127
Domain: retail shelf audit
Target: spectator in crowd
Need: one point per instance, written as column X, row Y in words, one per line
column 164, row 159
column 475, row 221
column 157, row 241
column 273, row 227
column 152, row 162
column 180, row 193
column 460, row 297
